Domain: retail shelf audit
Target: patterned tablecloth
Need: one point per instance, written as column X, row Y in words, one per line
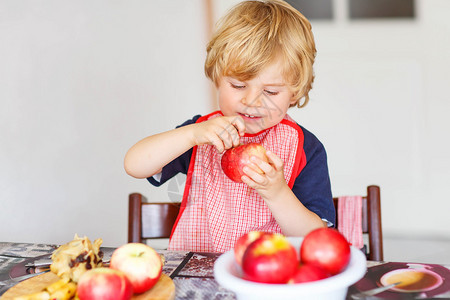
column 12, row 254
column 191, row 272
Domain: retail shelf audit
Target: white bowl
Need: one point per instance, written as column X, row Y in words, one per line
column 229, row 275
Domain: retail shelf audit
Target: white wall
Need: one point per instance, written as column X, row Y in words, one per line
column 379, row 105
column 81, row 81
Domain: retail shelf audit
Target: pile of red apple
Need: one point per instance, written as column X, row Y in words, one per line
column 270, row 258
column 134, row 268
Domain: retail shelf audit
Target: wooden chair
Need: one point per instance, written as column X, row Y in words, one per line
column 150, row 220
column 371, row 222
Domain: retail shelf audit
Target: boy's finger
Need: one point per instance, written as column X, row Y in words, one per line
column 256, row 167
column 227, row 140
column 254, row 175
column 227, row 135
column 234, row 136
column 239, row 124
column 261, row 165
column 275, row 160
column 218, row 143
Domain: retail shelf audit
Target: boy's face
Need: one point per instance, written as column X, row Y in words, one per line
column 261, row 102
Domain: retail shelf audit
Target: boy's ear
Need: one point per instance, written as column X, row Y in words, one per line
column 293, row 100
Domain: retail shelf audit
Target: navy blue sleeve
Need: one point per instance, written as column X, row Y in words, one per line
column 178, row 165
column 312, row 187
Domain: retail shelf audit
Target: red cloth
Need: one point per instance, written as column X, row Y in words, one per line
column 216, row 211
column 350, row 219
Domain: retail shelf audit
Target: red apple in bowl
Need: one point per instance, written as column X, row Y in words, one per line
column 105, row 284
column 243, row 242
column 235, row 159
column 270, row 259
column 326, row 248
column 308, row 273
column 140, row 263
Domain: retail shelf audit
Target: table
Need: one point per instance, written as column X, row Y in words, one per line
column 192, row 272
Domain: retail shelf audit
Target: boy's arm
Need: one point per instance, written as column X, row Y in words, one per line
column 293, row 217
column 147, row 157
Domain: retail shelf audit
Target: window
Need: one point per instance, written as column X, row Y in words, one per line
column 314, row 9
column 362, row 9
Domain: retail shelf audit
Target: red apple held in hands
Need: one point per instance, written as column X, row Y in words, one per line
column 235, row 159
column 270, row 259
column 326, row 248
column 140, row 263
column 105, row 284
column 243, row 242
column 308, row 273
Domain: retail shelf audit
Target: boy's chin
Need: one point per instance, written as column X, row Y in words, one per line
column 254, row 129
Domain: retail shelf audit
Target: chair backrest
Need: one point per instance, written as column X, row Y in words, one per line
column 150, row 220
column 371, row 221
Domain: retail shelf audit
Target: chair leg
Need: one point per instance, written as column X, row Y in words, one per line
column 134, row 218
column 376, row 236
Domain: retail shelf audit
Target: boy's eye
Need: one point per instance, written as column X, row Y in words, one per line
column 271, row 93
column 237, row 86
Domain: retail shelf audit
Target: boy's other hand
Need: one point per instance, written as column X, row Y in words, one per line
column 221, row 132
column 268, row 184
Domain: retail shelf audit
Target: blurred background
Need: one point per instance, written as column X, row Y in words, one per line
column 82, row 81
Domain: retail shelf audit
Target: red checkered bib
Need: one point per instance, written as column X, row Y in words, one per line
column 216, row 211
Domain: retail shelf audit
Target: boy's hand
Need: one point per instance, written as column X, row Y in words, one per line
column 222, row 132
column 271, row 182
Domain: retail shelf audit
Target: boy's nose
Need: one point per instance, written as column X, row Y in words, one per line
column 252, row 100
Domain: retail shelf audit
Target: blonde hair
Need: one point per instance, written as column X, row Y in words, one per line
column 255, row 33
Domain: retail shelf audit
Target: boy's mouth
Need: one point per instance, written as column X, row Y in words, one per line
column 248, row 116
